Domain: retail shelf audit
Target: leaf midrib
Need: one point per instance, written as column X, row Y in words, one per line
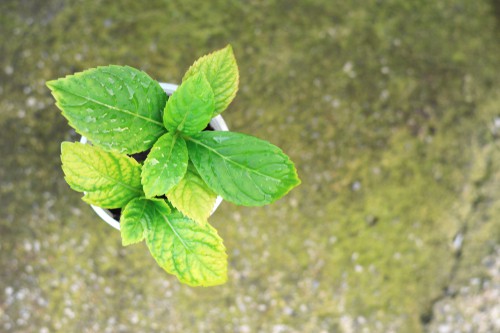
column 231, row 161
column 113, row 107
column 167, row 164
column 138, row 224
column 135, row 189
column 188, row 249
column 177, row 234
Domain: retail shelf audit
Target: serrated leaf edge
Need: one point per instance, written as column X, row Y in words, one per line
column 227, row 48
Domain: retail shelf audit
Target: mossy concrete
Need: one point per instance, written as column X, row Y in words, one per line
column 389, row 109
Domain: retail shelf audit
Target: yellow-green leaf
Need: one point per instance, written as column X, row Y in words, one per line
column 109, row 180
column 221, row 71
column 192, row 197
column 194, row 253
column 135, row 217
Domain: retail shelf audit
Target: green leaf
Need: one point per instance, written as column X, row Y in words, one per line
column 118, row 108
column 109, row 180
column 221, row 71
column 242, row 169
column 194, row 253
column 193, row 197
column 165, row 165
column 190, row 107
column 137, row 215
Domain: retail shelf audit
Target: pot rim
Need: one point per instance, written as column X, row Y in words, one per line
column 217, row 123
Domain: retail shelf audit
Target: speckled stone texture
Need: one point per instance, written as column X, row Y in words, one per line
column 390, row 109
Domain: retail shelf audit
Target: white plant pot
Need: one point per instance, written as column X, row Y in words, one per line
column 217, row 123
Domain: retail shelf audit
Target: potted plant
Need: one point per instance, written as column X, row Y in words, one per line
column 167, row 196
column 112, row 217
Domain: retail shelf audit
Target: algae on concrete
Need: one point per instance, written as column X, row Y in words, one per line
column 390, row 109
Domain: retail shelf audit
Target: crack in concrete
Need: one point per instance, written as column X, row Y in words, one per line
column 459, row 242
